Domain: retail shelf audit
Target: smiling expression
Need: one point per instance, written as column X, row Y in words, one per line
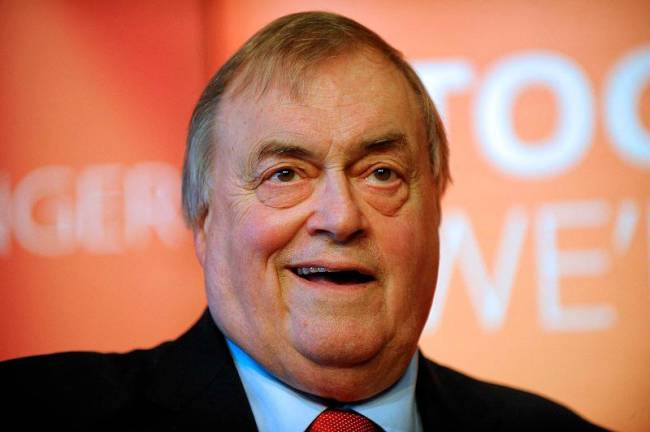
column 320, row 244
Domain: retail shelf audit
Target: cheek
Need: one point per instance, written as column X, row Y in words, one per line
column 410, row 246
column 243, row 278
column 263, row 231
column 411, row 236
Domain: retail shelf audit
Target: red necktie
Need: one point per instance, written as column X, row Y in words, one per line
column 335, row 420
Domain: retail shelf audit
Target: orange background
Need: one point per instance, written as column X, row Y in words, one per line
column 97, row 96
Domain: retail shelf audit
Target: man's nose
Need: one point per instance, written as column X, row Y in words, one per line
column 336, row 213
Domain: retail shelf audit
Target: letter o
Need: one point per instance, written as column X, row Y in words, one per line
column 622, row 92
column 493, row 119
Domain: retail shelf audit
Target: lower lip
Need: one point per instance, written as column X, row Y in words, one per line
column 324, row 284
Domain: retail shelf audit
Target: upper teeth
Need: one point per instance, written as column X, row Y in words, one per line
column 311, row 270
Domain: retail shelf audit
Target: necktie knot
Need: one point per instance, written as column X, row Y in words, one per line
column 337, row 420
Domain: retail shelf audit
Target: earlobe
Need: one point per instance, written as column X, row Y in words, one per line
column 200, row 237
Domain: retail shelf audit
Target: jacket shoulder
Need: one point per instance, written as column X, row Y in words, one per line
column 482, row 405
column 78, row 385
column 190, row 383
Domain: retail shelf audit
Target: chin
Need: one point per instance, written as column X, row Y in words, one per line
column 339, row 355
column 346, row 379
column 341, row 347
column 347, row 369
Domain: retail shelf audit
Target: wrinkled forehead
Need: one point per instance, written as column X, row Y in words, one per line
column 295, row 76
column 335, row 85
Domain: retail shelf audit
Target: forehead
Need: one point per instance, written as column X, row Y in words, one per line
column 348, row 98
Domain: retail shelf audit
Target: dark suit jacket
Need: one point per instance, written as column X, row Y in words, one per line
column 192, row 384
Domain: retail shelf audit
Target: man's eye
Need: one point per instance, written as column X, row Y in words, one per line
column 383, row 175
column 284, row 175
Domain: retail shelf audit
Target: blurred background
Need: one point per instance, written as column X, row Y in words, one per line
column 545, row 274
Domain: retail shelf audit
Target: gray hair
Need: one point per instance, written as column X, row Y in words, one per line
column 288, row 48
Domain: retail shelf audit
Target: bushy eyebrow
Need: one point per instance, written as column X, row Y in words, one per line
column 385, row 143
column 381, row 144
column 276, row 148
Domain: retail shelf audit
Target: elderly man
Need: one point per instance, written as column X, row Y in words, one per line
column 312, row 182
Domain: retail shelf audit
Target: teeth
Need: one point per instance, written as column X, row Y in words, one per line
column 304, row 271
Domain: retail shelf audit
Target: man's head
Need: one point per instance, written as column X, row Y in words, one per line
column 312, row 180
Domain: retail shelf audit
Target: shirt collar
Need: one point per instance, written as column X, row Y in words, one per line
column 394, row 410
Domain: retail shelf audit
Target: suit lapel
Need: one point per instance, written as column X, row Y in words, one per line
column 443, row 405
column 438, row 406
column 197, row 383
column 428, row 396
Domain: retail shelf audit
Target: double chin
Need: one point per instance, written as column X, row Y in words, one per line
column 346, row 361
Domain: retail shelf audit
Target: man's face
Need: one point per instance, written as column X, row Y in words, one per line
column 320, row 247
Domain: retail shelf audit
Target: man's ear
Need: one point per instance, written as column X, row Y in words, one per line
column 200, row 234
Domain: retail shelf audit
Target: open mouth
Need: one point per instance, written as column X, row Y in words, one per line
column 335, row 276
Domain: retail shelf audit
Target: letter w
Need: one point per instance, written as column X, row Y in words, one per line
column 490, row 295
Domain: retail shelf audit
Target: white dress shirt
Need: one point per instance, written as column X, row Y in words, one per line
column 279, row 408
